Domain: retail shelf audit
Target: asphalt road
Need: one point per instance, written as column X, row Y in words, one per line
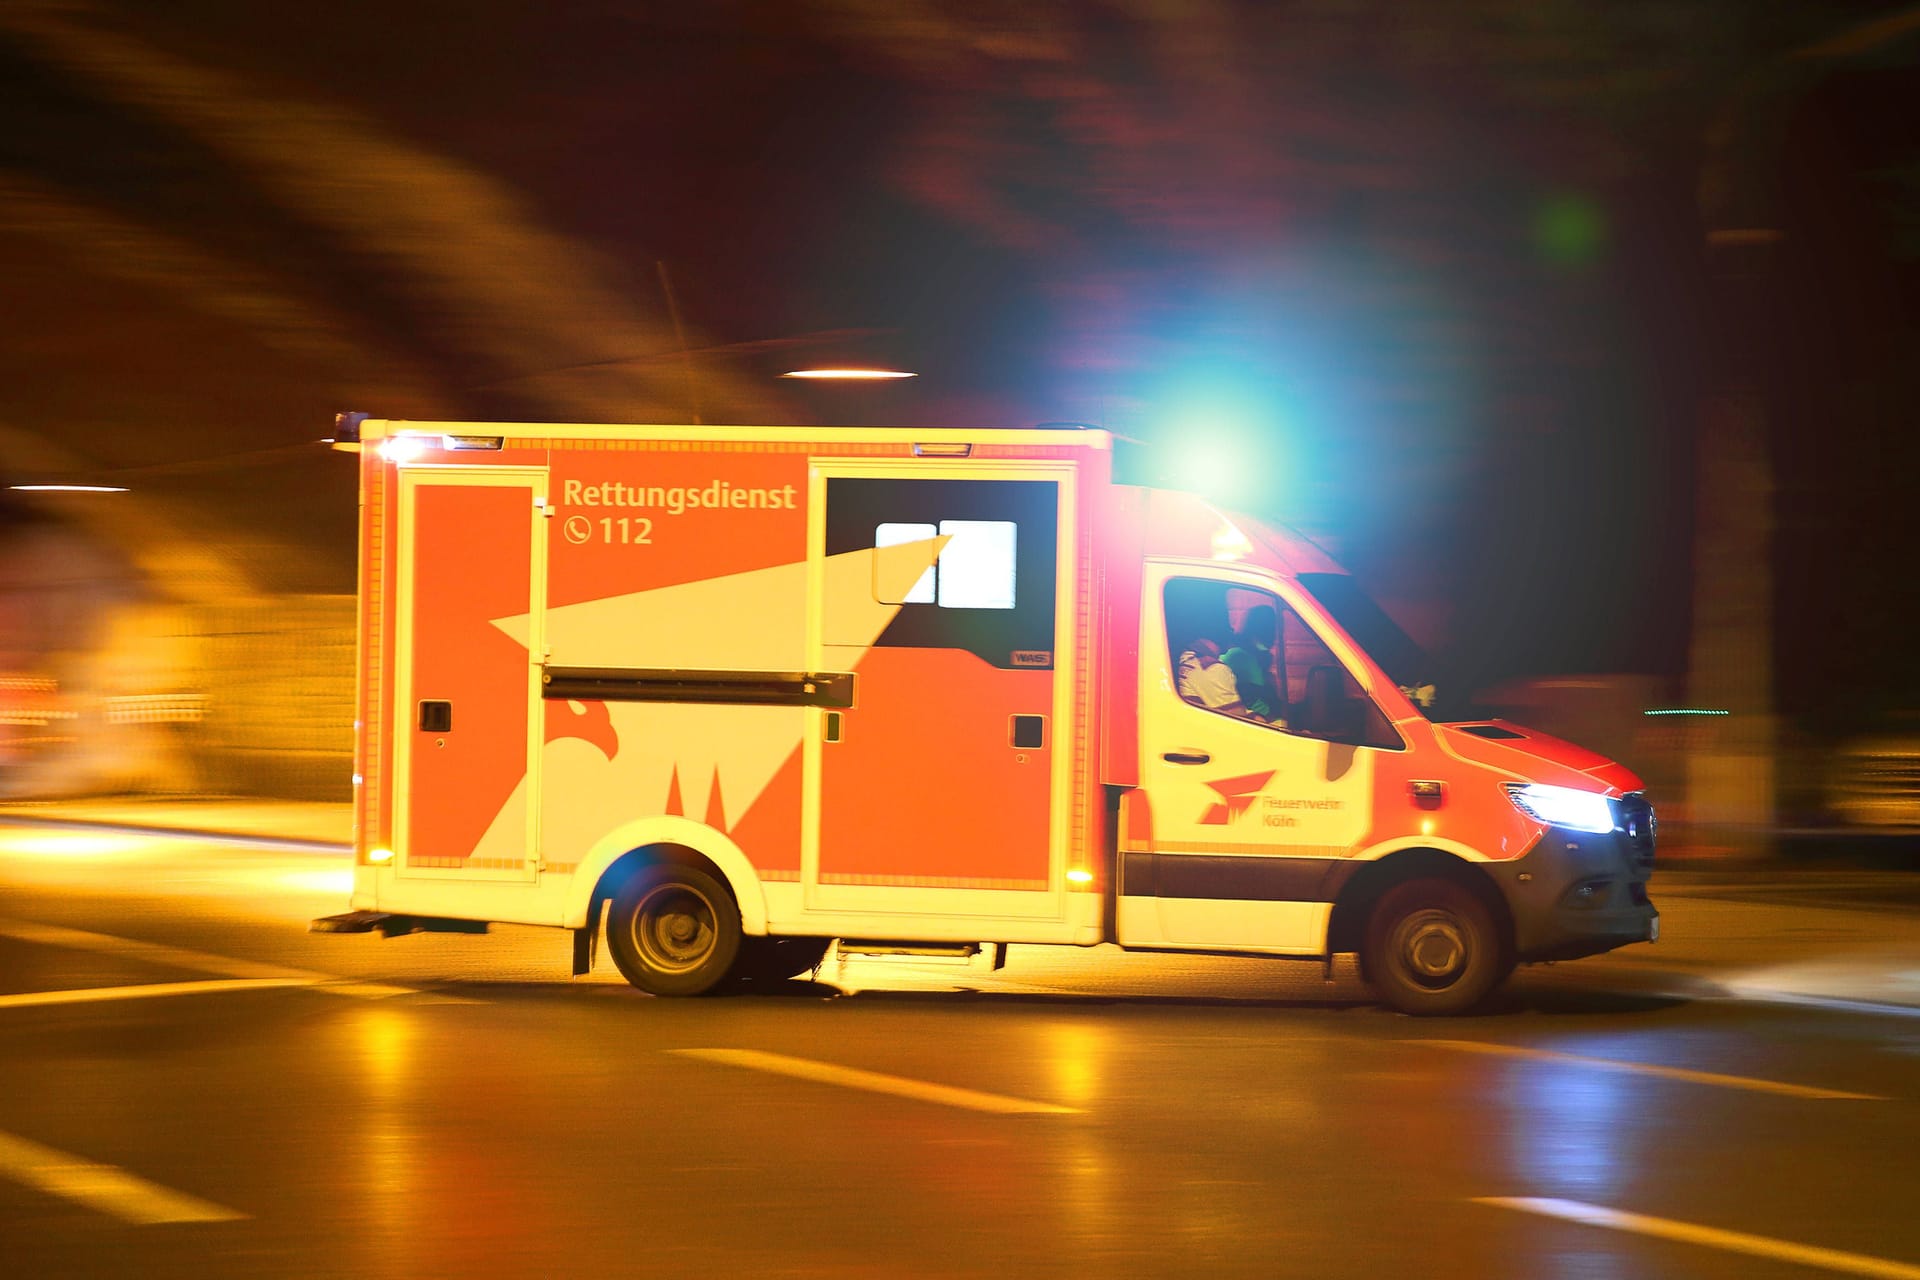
column 190, row 1084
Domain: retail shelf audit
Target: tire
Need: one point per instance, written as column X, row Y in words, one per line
column 1433, row 948
column 777, row 959
column 674, row 930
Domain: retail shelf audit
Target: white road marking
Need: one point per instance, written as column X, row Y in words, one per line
column 102, row 1186
column 1594, row 1215
column 876, row 1082
column 54, row 935
column 87, row 995
column 1650, row 1069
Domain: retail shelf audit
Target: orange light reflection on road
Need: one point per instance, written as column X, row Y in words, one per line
column 1077, row 1057
column 388, row 1142
column 58, row 845
column 335, row 880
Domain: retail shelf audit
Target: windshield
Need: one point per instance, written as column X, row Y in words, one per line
column 1404, row 661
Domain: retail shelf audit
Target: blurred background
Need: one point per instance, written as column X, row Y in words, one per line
column 1587, row 335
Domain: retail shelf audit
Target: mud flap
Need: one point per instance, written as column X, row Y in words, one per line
column 586, row 945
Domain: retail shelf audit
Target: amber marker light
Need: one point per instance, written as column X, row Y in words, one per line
column 377, row 857
column 1079, row 876
column 850, row 375
column 403, row 449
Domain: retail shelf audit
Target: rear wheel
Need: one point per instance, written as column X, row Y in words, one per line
column 777, row 959
column 673, row 930
column 1433, row 947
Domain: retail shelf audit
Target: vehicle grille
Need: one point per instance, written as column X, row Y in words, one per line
column 1637, row 820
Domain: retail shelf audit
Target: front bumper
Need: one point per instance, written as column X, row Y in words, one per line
column 1578, row 894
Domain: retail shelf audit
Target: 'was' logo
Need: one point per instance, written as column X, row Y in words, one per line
column 1236, row 797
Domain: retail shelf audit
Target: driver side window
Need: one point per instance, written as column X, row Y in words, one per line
column 1240, row 651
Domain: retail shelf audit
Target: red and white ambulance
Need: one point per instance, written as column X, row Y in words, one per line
column 733, row 693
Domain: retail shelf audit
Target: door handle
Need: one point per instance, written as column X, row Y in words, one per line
column 1186, row 757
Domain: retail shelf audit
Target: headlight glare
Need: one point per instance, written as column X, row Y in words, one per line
column 1563, row 806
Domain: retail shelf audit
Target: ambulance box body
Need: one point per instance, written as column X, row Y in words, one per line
column 724, row 695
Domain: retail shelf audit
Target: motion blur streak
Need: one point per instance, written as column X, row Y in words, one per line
column 536, row 302
column 270, row 306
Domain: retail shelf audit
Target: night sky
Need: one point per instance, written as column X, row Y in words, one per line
column 1432, row 278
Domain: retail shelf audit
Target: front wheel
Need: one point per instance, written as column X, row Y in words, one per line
column 673, row 930
column 1432, row 947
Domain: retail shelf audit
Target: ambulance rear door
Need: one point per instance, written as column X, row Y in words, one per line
column 471, row 556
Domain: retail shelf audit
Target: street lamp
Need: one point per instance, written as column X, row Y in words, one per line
column 849, row 375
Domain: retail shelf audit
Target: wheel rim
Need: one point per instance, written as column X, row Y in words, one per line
column 1432, row 948
column 674, row 928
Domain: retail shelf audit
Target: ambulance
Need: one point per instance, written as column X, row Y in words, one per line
column 726, row 696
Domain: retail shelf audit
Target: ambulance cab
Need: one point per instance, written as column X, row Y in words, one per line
column 1327, row 806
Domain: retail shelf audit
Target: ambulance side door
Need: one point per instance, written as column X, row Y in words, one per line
column 1248, row 825
column 942, row 791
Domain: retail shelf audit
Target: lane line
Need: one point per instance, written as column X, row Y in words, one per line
column 103, row 1187
column 87, row 995
column 1594, row 1215
column 1836, row 1004
column 1649, row 1069
column 372, row 990
column 875, row 1082
column 54, row 935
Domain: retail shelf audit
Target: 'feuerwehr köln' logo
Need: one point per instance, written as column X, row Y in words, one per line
column 1236, row 797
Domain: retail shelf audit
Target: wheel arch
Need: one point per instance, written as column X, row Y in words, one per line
column 614, row 856
column 1357, row 897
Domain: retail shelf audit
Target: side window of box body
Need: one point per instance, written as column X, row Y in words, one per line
column 993, row 593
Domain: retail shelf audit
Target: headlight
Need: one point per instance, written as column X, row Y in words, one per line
column 1563, row 806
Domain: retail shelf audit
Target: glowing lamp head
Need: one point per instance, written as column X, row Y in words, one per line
column 1230, row 544
column 849, row 375
column 379, row 857
column 1587, row 811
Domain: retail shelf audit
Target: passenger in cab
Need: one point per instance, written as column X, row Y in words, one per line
column 1206, row 681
